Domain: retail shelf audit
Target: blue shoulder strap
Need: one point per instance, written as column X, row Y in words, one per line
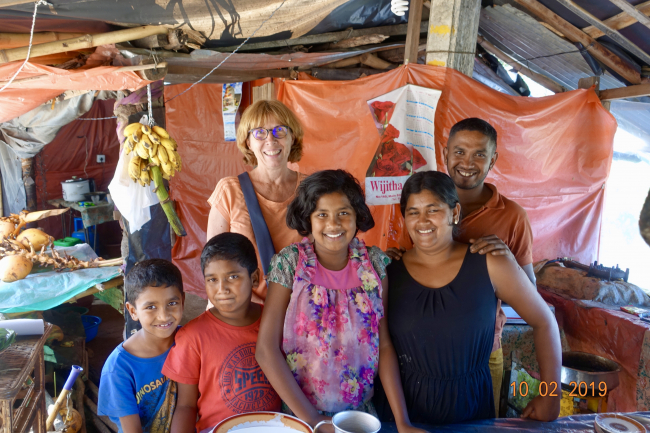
column 260, row 229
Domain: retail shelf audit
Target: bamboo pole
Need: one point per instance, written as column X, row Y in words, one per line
column 86, row 41
column 15, row 40
column 574, row 34
column 538, row 78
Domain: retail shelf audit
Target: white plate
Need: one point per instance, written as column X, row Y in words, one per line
column 616, row 423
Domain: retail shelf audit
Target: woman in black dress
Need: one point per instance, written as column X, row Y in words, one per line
column 441, row 311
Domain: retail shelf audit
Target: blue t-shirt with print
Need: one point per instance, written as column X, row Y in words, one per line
column 130, row 385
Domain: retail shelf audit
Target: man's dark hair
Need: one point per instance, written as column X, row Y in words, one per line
column 232, row 247
column 475, row 124
column 437, row 183
column 151, row 273
column 319, row 184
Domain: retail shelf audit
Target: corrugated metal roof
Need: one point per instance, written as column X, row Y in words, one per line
column 525, row 39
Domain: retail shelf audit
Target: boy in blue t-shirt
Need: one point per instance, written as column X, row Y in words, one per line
column 133, row 392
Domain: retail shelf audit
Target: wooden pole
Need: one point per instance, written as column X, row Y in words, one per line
column 14, row 40
column 86, row 41
column 375, row 62
column 413, row 32
column 632, row 11
column 619, row 21
column 574, row 34
column 612, row 33
column 5, row 3
column 451, row 40
column 538, row 78
column 29, row 183
column 625, row 92
column 343, row 63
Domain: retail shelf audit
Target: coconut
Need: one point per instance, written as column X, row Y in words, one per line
column 37, row 237
column 14, row 268
column 6, row 228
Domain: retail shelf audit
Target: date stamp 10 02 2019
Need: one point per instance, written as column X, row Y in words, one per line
column 551, row 389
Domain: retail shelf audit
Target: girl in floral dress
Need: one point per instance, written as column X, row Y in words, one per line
column 323, row 331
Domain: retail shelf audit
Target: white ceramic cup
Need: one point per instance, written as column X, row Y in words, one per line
column 352, row 421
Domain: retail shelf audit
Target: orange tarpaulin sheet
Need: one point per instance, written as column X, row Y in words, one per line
column 554, row 152
column 49, row 82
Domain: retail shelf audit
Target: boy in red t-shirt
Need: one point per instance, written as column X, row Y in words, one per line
column 213, row 360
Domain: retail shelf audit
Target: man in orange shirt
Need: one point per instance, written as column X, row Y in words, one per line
column 490, row 222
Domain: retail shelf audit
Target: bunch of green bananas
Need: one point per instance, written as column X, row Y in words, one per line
column 151, row 147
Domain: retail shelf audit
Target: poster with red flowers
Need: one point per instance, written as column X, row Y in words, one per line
column 405, row 121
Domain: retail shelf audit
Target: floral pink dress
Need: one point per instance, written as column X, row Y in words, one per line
column 331, row 334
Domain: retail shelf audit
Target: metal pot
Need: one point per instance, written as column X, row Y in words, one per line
column 581, row 367
column 75, row 188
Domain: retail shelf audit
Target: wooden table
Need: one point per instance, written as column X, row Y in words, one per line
column 22, row 369
column 90, row 215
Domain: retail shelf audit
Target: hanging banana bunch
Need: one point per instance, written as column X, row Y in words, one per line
column 154, row 158
column 151, row 147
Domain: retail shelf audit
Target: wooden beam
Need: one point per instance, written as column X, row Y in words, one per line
column 343, row 63
column 86, row 41
column 632, row 11
column 588, row 82
column 451, row 39
column 262, row 73
column 625, row 92
column 543, row 80
column 15, row 40
column 619, row 21
column 5, row 3
column 398, row 30
column 358, row 41
column 374, row 61
column 343, row 74
column 396, row 55
column 612, row 33
column 413, row 32
column 574, row 34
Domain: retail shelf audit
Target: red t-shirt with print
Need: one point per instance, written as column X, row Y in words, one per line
column 220, row 359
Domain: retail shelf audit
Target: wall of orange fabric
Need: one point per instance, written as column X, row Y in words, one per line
column 555, row 153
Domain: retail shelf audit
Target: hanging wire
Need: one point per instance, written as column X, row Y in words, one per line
column 29, row 49
column 227, row 57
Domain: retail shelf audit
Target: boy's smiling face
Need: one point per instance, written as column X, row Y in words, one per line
column 229, row 286
column 158, row 309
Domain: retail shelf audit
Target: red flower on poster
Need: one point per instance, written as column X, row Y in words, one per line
column 418, row 160
column 390, row 133
column 386, row 168
column 383, row 110
column 396, row 152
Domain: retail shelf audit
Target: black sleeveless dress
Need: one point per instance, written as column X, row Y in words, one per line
column 443, row 338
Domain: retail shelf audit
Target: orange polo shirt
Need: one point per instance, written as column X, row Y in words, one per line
column 502, row 217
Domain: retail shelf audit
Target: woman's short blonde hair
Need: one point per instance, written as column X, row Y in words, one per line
column 256, row 115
